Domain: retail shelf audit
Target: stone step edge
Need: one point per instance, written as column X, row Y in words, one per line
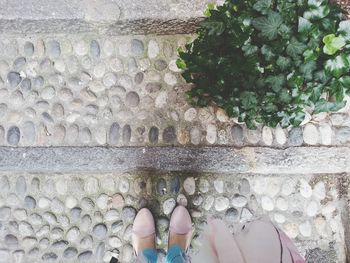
column 261, row 160
column 146, row 26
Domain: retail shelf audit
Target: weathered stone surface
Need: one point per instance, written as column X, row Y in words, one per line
column 219, row 159
column 143, row 16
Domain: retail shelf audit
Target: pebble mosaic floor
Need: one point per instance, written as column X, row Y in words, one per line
column 123, row 91
column 88, row 217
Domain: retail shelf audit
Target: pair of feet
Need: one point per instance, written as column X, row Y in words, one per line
column 144, row 232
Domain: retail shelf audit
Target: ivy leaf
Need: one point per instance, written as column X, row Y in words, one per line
column 249, row 49
column 346, row 82
column 294, row 80
column 268, row 26
column 333, row 44
column 307, row 69
column 310, row 55
column 317, row 12
column 316, row 93
column 344, row 29
column 295, row 48
column 262, row 6
column 285, row 96
column 297, row 118
column 337, row 66
column 276, row 82
column 321, row 76
column 325, row 106
column 180, row 63
column 283, row 62
column 248, row 100
column 304, row 25
column 210, row 7
column 214, row 27
column 337, row 90
column 267, row 52
column 270, row 107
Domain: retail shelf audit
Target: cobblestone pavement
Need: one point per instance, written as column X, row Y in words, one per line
column 123, row 91
column 88, row 217
column 89, row 90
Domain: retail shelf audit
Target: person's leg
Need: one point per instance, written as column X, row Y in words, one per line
column 176, row 255
column 148, row 255
column 180, row 232
column 143, row 237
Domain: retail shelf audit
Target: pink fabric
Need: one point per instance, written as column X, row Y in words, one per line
column 258, row 241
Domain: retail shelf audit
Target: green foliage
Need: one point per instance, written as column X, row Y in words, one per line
column 264, row 61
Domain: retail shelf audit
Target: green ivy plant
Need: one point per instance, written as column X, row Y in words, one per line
column 266, row 61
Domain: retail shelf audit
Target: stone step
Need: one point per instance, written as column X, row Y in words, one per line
column 88, row 216
column 262, row 160
column 102, row 16
column 92, row 90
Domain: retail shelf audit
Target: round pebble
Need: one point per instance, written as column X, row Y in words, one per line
column 73, row 234
column 282, row 204
column 237, row 135
column 28, row 49
column 267, row 135
column 305, row 188
column 21, row 186
column 153, row 135
column 81, row 48
column 112, row 215
column 312, row 208
column 280, row 136
column 267, row 203
column 311, row 135
column 115, row 242
column 219, row 186
column 128, row 214
column 239, row 201
column 211, row 133
column 109, row 79
column 169, row 134
column 29, row 202
column 168, row 206
column 13, row 135
column 137, row 47
column 114, row 133
column 221, row 203
column 295, row 137
column 181, row 200
column 53, row 48
column 153, row 49
column 91, row 185
column 190, row 185
column 232, row 215
column 85, row 256
column 305, row 229
column 70, row 253
column 87, row 204
column 319, row 191
column 100, row 231
column 95, row 49
column 132, row 99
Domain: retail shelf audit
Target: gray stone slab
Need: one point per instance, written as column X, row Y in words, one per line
column 117, row 17
column 303, row 160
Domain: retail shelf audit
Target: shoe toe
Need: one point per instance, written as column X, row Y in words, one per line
column 144, row 224
column 181, row 222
